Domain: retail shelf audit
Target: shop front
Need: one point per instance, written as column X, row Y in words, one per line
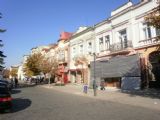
column 63, row 73
column 150, row 56
column 120, row 72
column 112, row 82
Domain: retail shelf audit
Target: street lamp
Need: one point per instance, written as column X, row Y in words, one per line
column 94, row 63
column 94, row 77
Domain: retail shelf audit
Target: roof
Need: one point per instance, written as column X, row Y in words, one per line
column 65, row 35
column 51, row 46
column 82, row 32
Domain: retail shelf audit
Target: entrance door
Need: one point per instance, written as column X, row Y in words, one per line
column 73, row 77
column 112, row 82
column 65, row 77
column 154, row 59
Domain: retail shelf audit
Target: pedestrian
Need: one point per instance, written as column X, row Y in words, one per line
column 16, row 82
column 102, row 85
column 12, row 83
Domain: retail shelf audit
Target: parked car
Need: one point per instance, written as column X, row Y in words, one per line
column 9, row 84
column 5, row 98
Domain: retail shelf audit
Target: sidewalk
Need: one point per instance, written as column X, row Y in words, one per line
column 112, row 95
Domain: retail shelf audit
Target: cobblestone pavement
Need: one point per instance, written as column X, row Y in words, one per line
column 69, row 103
column 139, row 98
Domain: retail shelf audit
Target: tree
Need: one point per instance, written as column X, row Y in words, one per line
column 49, row 65
column 82, row 60
column 153, row 18
column 2, row 56
column 27, row 71
column 38, row 63
column 6, row 73
column 32, row 65
column 13, row 72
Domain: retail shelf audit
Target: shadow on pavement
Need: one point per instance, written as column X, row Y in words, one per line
column 26, row 85
column 15, row 91
column 20, row 104
column 151, row 93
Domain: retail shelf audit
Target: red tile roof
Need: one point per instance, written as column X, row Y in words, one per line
column 65, row 35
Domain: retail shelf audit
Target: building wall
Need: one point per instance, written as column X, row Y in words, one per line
column 131, row 19
column 81, row 45
column 128, row 16
column 75, row 43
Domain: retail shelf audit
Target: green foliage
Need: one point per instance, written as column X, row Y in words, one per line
column 27, row 71
column 2, row 56
column 6, row 73
column 37, row 63
column 33, row 64
column 13, row 72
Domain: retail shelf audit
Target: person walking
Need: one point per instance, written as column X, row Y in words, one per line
column 102, row 85
column 16, row 82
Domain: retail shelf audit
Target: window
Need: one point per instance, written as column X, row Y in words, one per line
column 74, row 52
column 157, row 32
column 107, row 42
column 146, row 31
column 123, row 38
column 61, row 55
column 101, row 44
column 89, row 47
column 81, row 49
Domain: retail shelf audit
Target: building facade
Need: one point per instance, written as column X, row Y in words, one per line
column 81, row 50
column 121, row 43
column 125, row 48
column 62, row 53
column 21, row 72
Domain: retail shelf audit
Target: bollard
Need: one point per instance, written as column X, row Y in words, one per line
column 85, row 89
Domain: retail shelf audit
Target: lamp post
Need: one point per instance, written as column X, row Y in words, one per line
column 94, row 77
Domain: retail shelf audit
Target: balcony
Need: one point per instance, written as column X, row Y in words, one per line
column 150, row 41
column 120, row 46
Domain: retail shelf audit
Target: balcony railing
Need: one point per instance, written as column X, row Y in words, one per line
column 149, row 41
column 120, row 46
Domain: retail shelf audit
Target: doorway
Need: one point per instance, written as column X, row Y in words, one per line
column 154, row 59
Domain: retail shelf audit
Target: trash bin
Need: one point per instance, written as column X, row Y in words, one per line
column 85, row 89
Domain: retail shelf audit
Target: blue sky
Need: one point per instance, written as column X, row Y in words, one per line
column 31, row 23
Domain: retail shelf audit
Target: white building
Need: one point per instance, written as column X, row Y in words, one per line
column 21, row 73
column 124, row 35
column 39, row 49
column 81, row 50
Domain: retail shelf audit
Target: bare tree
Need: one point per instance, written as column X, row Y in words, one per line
column 49, row 65
column 153, row 18
column 83, row 61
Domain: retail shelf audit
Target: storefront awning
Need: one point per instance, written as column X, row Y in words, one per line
column 119, row 66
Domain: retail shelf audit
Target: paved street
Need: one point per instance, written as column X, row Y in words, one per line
column 39, row 103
